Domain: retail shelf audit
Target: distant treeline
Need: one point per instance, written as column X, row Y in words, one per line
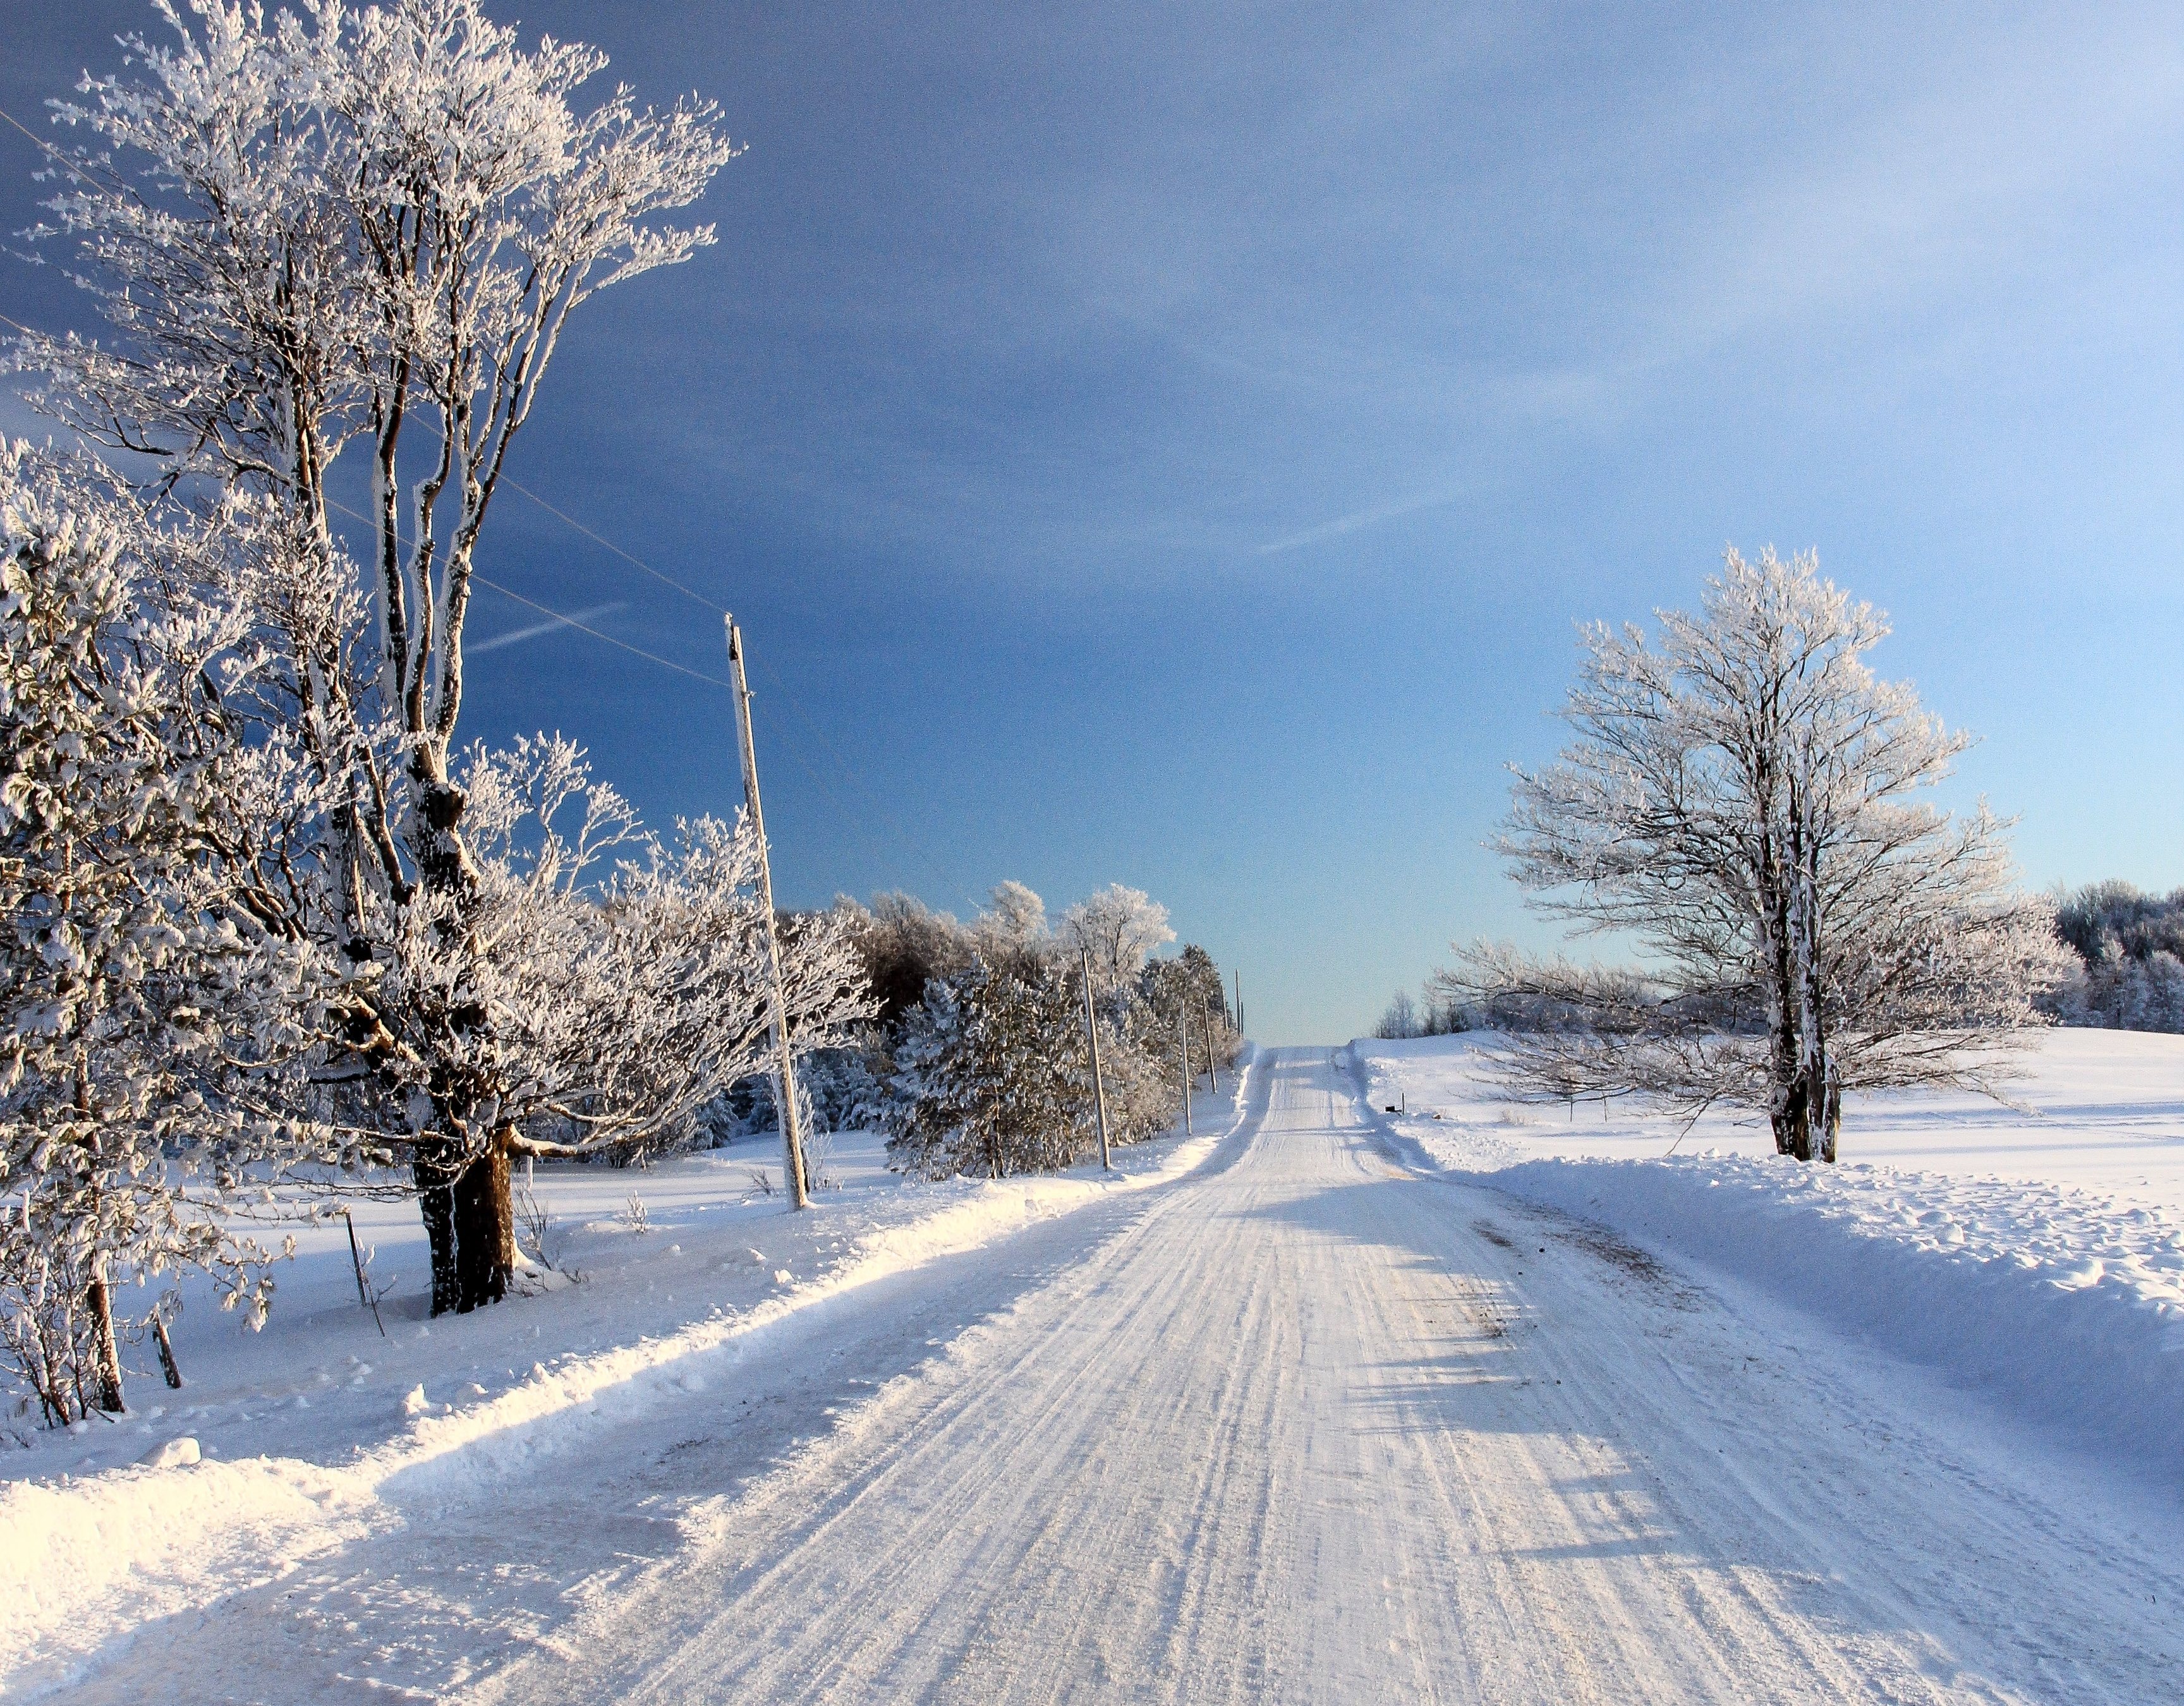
column 2130, row 974
column 2130, row 947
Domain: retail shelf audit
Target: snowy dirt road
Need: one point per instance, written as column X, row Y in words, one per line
column 1302, row 1425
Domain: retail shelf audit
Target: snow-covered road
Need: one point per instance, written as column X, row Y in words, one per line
column 1304, row 1424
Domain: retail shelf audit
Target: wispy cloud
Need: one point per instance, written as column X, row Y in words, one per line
column 519, row 635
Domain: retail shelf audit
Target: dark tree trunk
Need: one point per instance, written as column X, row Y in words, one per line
column 168, row 1365
column 1792, row 1120
column 436, row 1201
column 105, row 1354
column 484, row 1229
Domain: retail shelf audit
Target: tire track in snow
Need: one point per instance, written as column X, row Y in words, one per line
column 1265, row 1444
column 1251, row 1436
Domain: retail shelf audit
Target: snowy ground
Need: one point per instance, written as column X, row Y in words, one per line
column 2099, row 1111
column 2036, row 1255
column 302, row 1430
column 1319, row 1417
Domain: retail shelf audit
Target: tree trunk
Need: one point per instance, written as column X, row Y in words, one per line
column 1792, row 1117
column 484, row 1229
column 105, row 1354
column 168, row 1365
column 1831, row 1121
column 436, row 1201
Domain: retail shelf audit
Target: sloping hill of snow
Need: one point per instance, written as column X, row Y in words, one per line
column 2034, row 1254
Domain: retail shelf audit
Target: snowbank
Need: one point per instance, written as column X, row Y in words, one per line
column 2037, row 1256
column 346, row 1424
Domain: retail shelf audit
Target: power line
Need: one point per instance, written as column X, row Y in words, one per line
column 559, row 616
column 609, row 544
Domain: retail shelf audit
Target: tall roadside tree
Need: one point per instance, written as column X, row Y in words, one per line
column 1746, row 798
column 369, row 224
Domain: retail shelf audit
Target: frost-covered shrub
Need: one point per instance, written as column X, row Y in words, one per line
column 844, row 1088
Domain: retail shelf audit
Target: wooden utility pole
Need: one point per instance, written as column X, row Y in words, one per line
column 1213, row 1054
column 1099, row 1086
column 792, row 1135
column 1183, row 1048
column 1237, row 973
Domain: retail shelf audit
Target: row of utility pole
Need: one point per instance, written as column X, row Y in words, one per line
column 786, row 1103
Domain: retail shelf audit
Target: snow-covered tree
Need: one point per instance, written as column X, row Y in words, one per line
column 993, row 1074
column 368, row 223
column 1744, row 799
column 991, row 1069
column 154, row 1030
column 615, row 986
column 1012, row 930
column 1186, row 991
column 2130, row 950
column 1118, row 928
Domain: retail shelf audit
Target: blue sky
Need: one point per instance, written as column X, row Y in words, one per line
column 1173, row 444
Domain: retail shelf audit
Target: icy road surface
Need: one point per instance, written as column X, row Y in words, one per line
column 1302, row 1425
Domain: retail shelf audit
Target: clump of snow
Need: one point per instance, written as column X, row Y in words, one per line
column 2034, row 1253
column 174, row 1454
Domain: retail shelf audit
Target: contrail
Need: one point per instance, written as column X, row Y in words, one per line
column 538, row 628
column 1351, row 524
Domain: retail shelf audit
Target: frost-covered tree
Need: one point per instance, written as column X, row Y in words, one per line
column 2129, row 952
column 368, row 223
column 991, row 1067
column 1187, row 990
column 1745, row 798
column 1117, row 929
column 1012, row 930
column 618, row 985
column 154, row 1029
column 905, row 945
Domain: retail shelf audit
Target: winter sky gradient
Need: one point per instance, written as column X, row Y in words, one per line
column 1173, row 443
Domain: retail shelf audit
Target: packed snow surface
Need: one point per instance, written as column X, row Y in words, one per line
column 1308, row 1413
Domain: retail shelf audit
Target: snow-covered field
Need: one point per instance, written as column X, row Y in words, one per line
column 286, row 1442
column 2035, row 1253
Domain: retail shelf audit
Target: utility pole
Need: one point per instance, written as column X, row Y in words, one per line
column 1183, row 1048
column 1237, row 973
column 792, row 1135
column 1099, row 1087
column 1213, row 1054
